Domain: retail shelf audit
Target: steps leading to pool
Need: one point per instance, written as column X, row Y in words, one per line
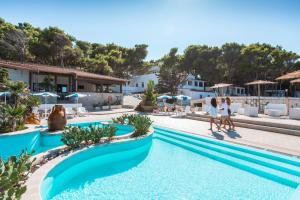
column 282, row 169
column 256, row 124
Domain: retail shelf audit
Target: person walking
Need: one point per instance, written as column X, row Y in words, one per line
column 224, row 113
column 230, row 121
column 213, row 113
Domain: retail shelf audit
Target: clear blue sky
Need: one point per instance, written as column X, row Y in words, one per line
column 163, row 24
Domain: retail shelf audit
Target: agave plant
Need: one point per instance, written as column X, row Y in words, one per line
column 109, row 131
column 141, row 124
column 121, row 119
column 13, row 174
column 72, row 137
column 95, row 134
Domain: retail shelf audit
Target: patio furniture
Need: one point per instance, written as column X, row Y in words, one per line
column 294, row 113
column 235, row 107
column 251, row 111
column 274, row 113
column 281, row 108
column 81, row 111
column 45, row 112
column 70, row 112
column 241, row 111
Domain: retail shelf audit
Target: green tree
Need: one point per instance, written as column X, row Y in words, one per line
column 18, row 90
column 229, row 62
column 15, row 115
column 48, row 83
column 13, row 45
column 202, row 60
column 171, row 73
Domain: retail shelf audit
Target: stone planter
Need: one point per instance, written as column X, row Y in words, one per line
column 147, row 108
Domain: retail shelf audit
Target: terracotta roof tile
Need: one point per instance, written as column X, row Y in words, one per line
column 58, row 70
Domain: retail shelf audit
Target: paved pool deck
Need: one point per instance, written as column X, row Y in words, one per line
column 286, row 144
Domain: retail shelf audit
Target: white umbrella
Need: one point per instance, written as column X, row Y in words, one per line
column 76, row 96
column 4, row 94
column 164, row 97
column 183, row 97
column 45, row 95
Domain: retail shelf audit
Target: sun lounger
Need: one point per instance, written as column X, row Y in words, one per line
column 294, row 113
column 70, row 112
column 251, row 111
column 235, row 107
column 81, row 111
column 281, row 109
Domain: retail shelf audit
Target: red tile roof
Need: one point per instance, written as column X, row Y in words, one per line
column 58, row 70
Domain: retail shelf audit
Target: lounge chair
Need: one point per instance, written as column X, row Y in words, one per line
column 70, row 112
column 81, row 111
column 251, row 111
column 275, row 109
column 294, row 113
column 235, row 107
column 186, row 110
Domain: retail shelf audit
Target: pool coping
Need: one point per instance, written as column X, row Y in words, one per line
column 35, row 179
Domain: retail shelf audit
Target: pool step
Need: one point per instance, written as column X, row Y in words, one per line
column 276, row 165
column 239, row 148
column 258, row 125
column 240, row 164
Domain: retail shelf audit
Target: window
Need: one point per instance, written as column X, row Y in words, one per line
column 136, row 85
column 143, row 85
column 80, row 87
column 237, row 90
column 190, row 82
column 196, row 83
column 200, row 84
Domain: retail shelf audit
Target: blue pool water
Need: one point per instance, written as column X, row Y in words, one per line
column 173, row 165
column 40, row 142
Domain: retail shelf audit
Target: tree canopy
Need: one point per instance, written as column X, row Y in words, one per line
column 232, row 62
column 53, row 46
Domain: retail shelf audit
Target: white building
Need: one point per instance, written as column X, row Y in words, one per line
column 138, row 84
column 193, row 87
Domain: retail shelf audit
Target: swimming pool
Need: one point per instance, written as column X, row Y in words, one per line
column 173, row 165
column 41, row 141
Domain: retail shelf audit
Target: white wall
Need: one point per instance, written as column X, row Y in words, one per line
column 196, row 94
column 136, row 83
column 18, row 75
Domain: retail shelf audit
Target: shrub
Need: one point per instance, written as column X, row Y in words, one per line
column 141, row 123
column 121, row 119
column 13, row 174
column 109, row 131
column 150, row 96
column 94, row 134
column 73, row 136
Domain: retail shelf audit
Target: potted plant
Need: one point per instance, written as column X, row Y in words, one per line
column 149, row 100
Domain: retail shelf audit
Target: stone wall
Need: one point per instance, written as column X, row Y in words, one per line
column 253, row 100
column 93, row 100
